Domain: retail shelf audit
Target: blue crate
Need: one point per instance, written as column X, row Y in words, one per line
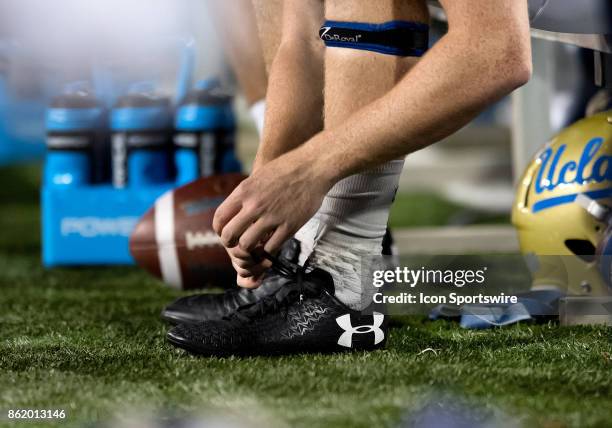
column 92, row 225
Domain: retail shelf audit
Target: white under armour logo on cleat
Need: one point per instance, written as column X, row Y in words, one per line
column 346, row 339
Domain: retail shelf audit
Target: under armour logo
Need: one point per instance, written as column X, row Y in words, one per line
column 346, row 338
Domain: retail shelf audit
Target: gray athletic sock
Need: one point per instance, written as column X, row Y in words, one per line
column 349, row 228
column 344, row 263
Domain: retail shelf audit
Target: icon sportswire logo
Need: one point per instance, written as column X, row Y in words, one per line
column 346, row 338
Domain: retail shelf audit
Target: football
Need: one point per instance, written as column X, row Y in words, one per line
column 175, row 241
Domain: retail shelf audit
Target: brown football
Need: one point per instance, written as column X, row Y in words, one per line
column 175, row 240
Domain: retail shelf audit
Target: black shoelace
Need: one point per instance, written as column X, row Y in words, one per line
column 296, row 289
column 232, row 292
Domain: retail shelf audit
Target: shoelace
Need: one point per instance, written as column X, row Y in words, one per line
column 287, row 294
column 233, row 293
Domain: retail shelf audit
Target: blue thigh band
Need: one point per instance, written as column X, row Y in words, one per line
column 400, row 38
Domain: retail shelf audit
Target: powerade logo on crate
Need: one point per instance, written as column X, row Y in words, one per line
column 554, row 175
column 98, row 227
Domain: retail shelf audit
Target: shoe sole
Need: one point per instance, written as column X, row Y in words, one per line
column 198, row 351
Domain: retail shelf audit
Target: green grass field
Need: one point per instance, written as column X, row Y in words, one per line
column 90, row 341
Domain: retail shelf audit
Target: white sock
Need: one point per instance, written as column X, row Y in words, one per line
column 350, row 226
column 258, row 113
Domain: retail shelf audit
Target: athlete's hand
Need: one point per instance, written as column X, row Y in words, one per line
column 249, row 267
column 267, row 209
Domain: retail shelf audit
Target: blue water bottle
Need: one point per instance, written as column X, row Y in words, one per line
column 205, row 133
column 141, row 143
column 74, row 123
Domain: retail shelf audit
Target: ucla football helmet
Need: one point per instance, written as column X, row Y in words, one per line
column 555, row 232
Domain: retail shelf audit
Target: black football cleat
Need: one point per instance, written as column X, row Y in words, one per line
column 214, row 306
column 303, row 315
column 388, row 244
